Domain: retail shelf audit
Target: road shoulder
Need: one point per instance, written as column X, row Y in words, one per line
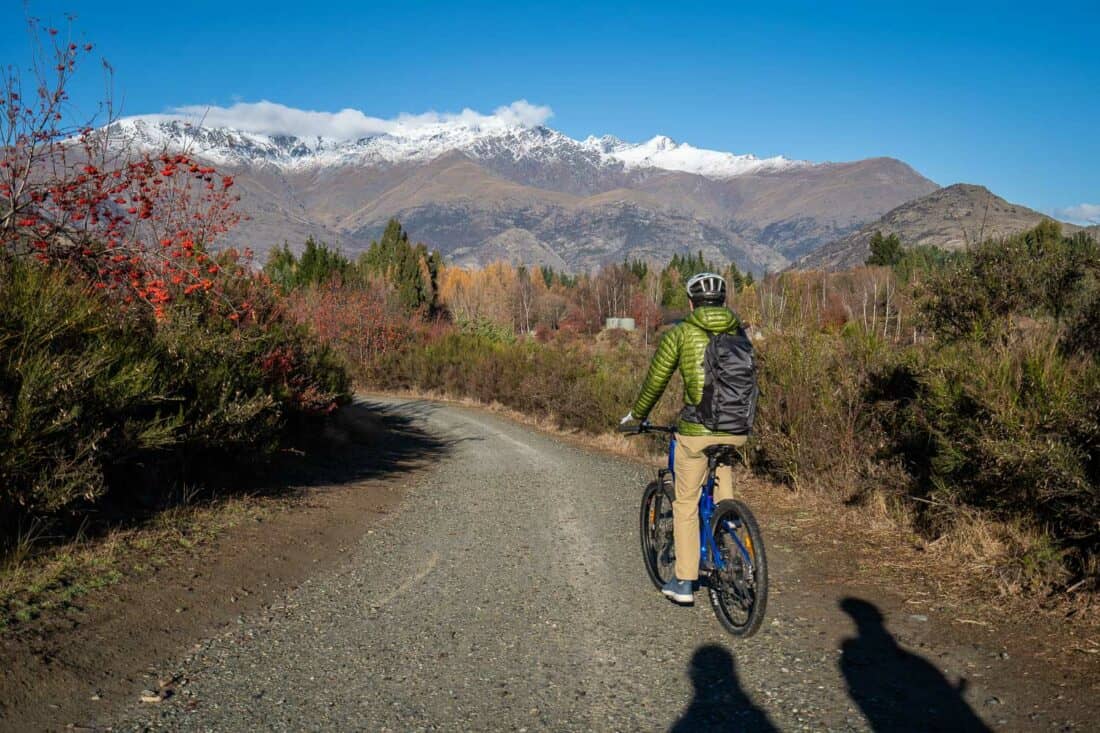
column 93, row 656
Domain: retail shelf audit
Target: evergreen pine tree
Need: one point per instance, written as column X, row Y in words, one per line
column 412, row 270
column 885, row 251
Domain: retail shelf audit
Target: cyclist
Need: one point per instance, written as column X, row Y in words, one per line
column 682, row 348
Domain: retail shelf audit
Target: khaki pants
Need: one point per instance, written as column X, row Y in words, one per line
column 691, row 471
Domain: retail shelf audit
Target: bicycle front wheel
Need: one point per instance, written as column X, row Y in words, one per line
column 739, row 591
column 655, row 526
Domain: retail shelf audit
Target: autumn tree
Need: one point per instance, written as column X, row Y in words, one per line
column 646, row 303
column 364, row 323
column 498, row 292
column 525, row 295
column 613, row 289
column 456, row 293
column 137, row 224
column 486, row 295
column 550, row 309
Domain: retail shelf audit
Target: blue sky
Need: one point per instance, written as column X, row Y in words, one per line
column 1006, row 95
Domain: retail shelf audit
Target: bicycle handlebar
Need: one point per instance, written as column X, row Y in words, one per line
column 645, row 428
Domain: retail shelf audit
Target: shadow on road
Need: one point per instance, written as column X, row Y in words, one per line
column 896, row 689
column 364, row 440
column 719, row 703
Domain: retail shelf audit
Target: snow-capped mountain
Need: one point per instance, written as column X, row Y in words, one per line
column 666, row 154
column 423, row 143
column 480, row 188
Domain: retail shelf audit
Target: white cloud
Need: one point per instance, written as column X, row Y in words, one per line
column 272, row 118
column 1084, row 213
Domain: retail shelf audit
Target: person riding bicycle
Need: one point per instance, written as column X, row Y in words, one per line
column 683, row 348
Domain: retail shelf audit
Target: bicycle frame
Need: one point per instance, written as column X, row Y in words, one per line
column 709, row 557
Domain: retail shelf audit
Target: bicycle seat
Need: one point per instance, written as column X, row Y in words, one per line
column 720, row 454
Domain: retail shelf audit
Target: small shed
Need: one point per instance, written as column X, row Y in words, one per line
column 623, row 324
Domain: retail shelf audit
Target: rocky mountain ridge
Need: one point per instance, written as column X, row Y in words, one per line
column 536, row 196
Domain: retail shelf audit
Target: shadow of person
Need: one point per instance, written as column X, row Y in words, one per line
column 719, row 703
column 896, row 689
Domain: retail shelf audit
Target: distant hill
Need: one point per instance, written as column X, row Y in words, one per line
column 950, row 218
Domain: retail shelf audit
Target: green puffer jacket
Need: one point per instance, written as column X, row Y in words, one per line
column 682, row 348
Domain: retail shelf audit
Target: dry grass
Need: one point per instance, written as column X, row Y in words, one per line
column 958, row 576
column 39, row 576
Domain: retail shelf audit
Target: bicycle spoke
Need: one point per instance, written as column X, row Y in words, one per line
column 657, row 536
column 735, row 585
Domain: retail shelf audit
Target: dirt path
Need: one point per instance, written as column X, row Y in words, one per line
column 506, row 592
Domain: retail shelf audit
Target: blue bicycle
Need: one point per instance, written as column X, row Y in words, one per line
column 733, row 565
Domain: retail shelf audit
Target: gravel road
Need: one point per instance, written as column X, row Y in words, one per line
column 507, row 593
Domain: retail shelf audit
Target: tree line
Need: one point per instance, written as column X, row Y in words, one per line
column 499, row 296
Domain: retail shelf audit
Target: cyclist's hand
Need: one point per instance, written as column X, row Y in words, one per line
column 628, row 418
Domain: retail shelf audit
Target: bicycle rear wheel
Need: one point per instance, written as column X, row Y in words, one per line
column 655, row 527
column 739, row 592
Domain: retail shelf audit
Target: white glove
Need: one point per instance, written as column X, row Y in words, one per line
column 628, row 418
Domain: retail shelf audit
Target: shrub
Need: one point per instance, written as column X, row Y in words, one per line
column 236, row 390
column 361, row 324
column 815, row 427
column 570, row 382
column 1082, row 334
column 1010, row 431
column 89, row 390
column 78, row 386
column 1037, row 273
column 124, row 340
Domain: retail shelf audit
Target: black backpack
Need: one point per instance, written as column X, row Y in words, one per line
column 730, row 391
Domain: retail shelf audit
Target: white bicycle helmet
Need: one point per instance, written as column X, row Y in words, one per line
column 706, row 288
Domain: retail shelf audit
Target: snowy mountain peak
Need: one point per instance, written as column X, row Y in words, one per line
column 603, row 144
column 661, row 142
column 421, row 142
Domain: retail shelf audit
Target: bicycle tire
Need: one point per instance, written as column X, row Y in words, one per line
column 739, row 600
column 655, row 531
